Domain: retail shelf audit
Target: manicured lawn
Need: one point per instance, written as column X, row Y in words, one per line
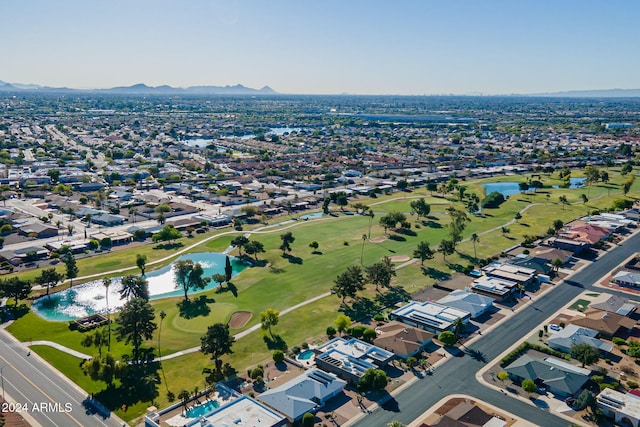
column 301, row 275
column 580, row 305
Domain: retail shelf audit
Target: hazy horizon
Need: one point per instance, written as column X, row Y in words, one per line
column 495, row 47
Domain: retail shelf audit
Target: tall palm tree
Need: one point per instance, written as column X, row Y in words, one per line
column 162, row 316
column 458, row 327
column 475, row 239
column 106, row 282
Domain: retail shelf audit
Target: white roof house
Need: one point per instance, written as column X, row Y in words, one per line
column 306, row 393
column 574, row 334
column 475, row 304
column 429, row 315
column 624, row 408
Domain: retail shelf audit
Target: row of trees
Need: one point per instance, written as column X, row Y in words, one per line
column 348, row 283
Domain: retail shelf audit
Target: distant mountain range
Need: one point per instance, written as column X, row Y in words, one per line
column 143, row 89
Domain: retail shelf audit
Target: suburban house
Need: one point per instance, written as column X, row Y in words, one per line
column 573, row 334
column 108, row 220
column 349, row 359
column 607, row 324
column 38, row 230
column 430, row 316
column 514, row 273
column 567, row 244
column 623, row 408
column 465, row 300
column 550, row 254
column 403, row 340
column 558, row 377
column 466, row 414
column 116, row 237
column 540, row 265
column 493, row 287
column 627, row 278
column 19, row 256
column 306, row 393
column 613, row 304
column 588, row 233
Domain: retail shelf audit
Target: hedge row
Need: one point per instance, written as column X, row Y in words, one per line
column 527, row 345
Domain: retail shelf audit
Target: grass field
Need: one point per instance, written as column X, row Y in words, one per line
column 286, row 281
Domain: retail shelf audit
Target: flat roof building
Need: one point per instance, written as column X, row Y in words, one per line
column 430, row 316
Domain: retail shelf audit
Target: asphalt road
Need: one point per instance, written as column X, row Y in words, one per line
column 42, row 394
column 457, row 375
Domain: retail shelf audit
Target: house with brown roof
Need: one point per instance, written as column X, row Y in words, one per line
column 403, row 340
column 466, row 414
column 588, row 233
column 608, row 324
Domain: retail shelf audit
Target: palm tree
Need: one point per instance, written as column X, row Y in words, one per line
column 475, row 239
column 364, row 239
column 162, row 316
column 106, row 282
column 458, row 327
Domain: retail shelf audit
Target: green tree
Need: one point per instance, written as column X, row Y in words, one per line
column 348, row 283
column 278, row 356
column 563, row 201
column 188, row 275
column 557, row 264
column 134, row 287
column 314, row 245
column 380, row 273
column 228, row 269
column 342, row 322
column 135, row 324
column 167, row 234
column 423, row 252
column 446, row 247
column 308, row 420
column 48, row 277
column 529, row 386
column 98, row 338
column 503, row 376
column 557, row 225
column 447, row 337
column 71, row 267
column 254, row 247
column 420, row 207
column 269, row 318
column 219, row 279
column 141, row 262
column 395, row 424
column 458, row 327
column 105, row 368
column 106, row 282
column 239, row 242
column 15, row 288
column 458, row 223
column 585, row 353
column 372, row 380
column 54, row 175
column 217, row 342
column 287, row 239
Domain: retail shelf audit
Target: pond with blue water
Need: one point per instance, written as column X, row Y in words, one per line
column 90, row 298
column 508, row 188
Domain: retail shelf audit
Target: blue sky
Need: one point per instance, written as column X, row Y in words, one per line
column 325, row 47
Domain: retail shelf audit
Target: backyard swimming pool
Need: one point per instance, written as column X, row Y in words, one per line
column 203, row 409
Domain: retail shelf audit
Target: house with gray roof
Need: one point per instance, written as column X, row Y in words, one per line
column 613, row 304
column 558, row 377
column 627, row 278
column 465, row 300
column 306, row 393
column 573, row 334
column 430, row 316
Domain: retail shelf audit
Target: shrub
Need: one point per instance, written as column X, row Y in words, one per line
column 503, row 376
column 632, row 384
column 295, row 349
column 447, row 337
column 331, row 331
column 597, row 379
column 357, row 331
column 378, row 318
column 345, row 243
column 257, row 372
column 305, row 345
column 619, row 341
column 308, row 420
column 529, row 386
column 369, row 335
column 278, row 356
column 613, row 386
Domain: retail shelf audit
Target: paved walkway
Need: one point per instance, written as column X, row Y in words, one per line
column 61, row 348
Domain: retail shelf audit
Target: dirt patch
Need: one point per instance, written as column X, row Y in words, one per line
column 400, row 258
column 239, row 319
column 378, row 239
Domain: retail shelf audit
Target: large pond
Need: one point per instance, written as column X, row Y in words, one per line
column 508, row 188
column 90, row 298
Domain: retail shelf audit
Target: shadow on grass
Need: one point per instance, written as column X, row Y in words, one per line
column 397, row 238
column 229, row 287
column 293, row 259
column 393, row 296
column 169, row 246
column 431, row 224
column 195, row 307
column 138, row 384
column 15, row 312
column 316, row 252
column 436, row 274
column 360, row 308
column 407, row 232
column 275, row 342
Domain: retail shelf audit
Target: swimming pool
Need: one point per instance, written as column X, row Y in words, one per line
column 203, row 409
column 311, row 216
column 306, row 355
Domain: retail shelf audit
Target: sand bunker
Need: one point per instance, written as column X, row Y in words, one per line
column 400, row 258
column 239, row 319
column 378, row 239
